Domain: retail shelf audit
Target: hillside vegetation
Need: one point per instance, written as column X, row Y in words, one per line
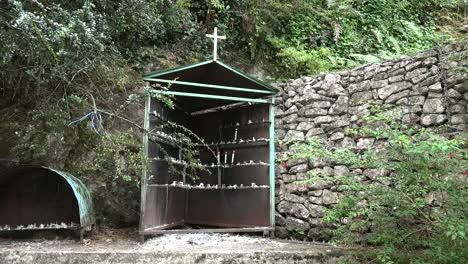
column 59, row 58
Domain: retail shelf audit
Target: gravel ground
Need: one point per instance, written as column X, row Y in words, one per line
column 122, row 247
column 177, row 243
column 214, row 243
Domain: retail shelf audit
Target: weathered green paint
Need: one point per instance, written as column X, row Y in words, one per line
column 211, row 96
column 272, row 162
column 221, row 87
column 144, row 176
column 257, row 81
column 82, row 195
column 186, row 67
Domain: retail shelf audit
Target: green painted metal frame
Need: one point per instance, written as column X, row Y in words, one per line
column 186, row 67
column 181, row 68
column 211, row 96
column 271, row 90
column 221, row 87
column 144, row 176
column 271, row 154
column 257, row 81
column 272, row 162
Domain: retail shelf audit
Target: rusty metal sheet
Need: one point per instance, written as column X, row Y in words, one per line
column 165, row 206
column 229, row 207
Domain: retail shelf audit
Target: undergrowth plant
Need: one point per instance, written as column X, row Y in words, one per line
column 308, row 37
column 123, row 151
column 187, row 141
column 414, row 208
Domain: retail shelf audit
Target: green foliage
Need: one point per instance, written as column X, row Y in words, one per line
column 38, row 135
column 53, row 51
column 352, row 31
column 415, row 209
column 56, row 56
column 85, row 47
column 68, row 47
column 120, row 153
column 301, row 60
column 188, row 143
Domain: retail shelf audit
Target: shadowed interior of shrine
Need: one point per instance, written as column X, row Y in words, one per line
column 233, row 192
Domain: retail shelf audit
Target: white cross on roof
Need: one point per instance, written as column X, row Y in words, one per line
column 215, row 38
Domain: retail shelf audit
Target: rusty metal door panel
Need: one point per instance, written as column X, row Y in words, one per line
column 176, row 205
column 155, row 207
column 165, row 205
column 229, row 208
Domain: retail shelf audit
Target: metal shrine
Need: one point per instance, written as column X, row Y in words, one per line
column 234, row 114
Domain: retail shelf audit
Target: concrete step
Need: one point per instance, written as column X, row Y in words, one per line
column 188, row 248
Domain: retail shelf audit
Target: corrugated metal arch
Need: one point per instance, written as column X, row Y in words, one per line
column 80, row 192
column 82, row 195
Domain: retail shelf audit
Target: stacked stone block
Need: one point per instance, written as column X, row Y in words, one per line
column 429, row 89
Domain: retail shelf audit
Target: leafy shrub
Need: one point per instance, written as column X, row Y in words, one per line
column 350, row 31
column 302, row 61
column 55, row 55
column 414, row 210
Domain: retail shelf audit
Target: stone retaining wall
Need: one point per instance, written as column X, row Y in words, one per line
column 430, row 89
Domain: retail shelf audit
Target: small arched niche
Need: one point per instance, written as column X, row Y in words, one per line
column 43, row 198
